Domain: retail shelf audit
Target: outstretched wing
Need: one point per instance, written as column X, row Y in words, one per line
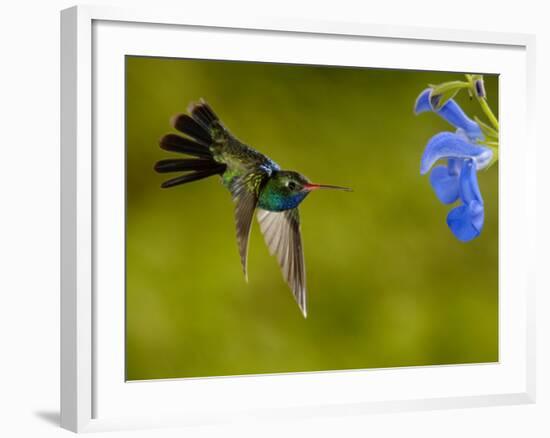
column 245, row 191
column 281, row 231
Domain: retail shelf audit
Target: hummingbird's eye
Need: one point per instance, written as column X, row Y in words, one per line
column 291, row 185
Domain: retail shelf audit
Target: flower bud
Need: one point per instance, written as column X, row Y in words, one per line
column 479, row 87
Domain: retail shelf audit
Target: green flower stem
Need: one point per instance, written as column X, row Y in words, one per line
column 487, row 110
column 449, row 86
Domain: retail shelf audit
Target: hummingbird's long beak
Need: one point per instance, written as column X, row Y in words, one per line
column 309, row 187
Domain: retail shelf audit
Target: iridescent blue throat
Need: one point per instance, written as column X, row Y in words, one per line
column 272, row 198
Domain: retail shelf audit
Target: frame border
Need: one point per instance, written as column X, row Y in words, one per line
column 77, row 197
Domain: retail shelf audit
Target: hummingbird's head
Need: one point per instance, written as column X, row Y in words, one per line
column 286, row 189
column 290, row 183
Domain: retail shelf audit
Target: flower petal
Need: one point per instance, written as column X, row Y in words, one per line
column 422, row 103
column 444, row 184
column 450, row 145
column 451, row 112
column 466, row 221
column 468, row 186
column 454, row 165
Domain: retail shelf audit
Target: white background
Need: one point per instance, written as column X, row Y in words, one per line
column 29, row 231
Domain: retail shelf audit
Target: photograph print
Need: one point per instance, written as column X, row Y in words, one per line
column 285, row 218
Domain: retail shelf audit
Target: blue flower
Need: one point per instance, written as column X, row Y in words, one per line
column 457, row 180
column 466, row 220
column 453, row 145
column 451, row 112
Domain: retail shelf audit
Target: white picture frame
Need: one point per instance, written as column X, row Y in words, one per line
column 94, row 395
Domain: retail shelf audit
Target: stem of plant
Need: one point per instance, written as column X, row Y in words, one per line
column 487, row 110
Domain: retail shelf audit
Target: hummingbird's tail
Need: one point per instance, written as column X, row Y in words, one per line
column 200, row 128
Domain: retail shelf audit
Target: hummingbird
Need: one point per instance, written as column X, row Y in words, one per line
column 256, row 183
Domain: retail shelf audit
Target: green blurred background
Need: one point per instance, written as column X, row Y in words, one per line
column 388, row 284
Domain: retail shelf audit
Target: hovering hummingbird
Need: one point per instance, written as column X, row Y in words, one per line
column 255, row 181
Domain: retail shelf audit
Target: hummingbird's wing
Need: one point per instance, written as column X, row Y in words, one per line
column 281, row 231
column 244, row 191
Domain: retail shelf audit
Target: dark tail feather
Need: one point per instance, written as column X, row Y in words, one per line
column 203, row 114
column 175, row 143
column 206, row 118
column 193, row 129
column 195, row 176
column 201, row 128
column 198, row 169
column 184, row 165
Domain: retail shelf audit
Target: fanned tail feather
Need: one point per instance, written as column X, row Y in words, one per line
column 199, row 129
column 193, row 129
column 189, row 177
column 176, row 143
column 205, row 117
column 183, row 165
column 203, row 114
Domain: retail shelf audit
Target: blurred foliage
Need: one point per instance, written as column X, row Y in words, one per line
column 388, row 284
